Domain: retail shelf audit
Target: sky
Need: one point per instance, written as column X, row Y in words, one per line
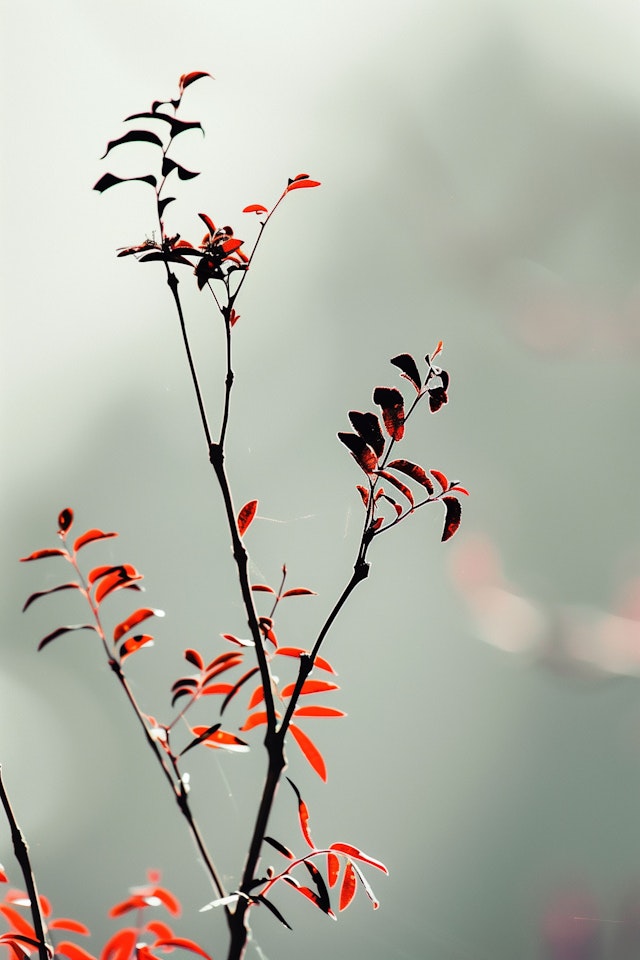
column 480, row 169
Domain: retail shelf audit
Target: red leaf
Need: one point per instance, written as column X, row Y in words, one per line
column 133, row 620
column 280, row 847
column 356, row 854
column 302, row 180
column 262, row 588
column 409, row 369
column 117, row 580
column 404, row 490
column 74, row 926
column 161, row 930
column 230, row 246
column 246, row 515
column 232, row 639
column 333, row 868
column 223, row 739
column 90, row 536
column 414, row 471
column 217, row 688
column 200, row 738
column 364, row 493
column 360, row 451
column 135, row 643
column 299, row 592
column 17, row 921
column 188, row 78
column 303, row 816
column 192, row 656
column 41, row 554
column 453, row 513
column 44, row 593
column 122, row 943
column 65, row 519
column 57, row 633
column 255, row 208
column 392, row 403
column 318, row 711
column 348, row 888
column 210, row 225
column 184, row 944
column 368, row 426
column 319, row 662
column 310, row 751
column 256, row 697
column 441, row 478
column 254, row 720
column 72, row 950
column 310, row 686
column 234, row 689
column 459, row 489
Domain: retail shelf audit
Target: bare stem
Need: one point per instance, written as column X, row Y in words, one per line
column 21, row 850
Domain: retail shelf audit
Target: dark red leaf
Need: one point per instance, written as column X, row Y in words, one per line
column 299, row 592
column 246, row 515
column 90, row 536
column 441, row 478
column 409, row 368
column 65, row 519
column 303, row 815
column 364, row 493
column 310, row 751
column 437, row 398
column 210, row 225
column 192, row 656
column 44, row 593
column 453, row 513
column 280, row 847
column 200, row 738
column 270, row 906
column 188, row 78
column 348, row 886
column 41, row 554
column 404, row 490
column 262, row 588
column 324, row 901
column 234, row 689
column 396, row 506
column 135, row 643
column 57, row 633
column 414, row 471
column 392, row 403
column 133, row 620
column 368, row 426
column 360, row 451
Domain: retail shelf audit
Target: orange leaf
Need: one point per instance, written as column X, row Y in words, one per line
column 90, row 536
column 40, row 554
column 318, row 711
column 356, row 854
column 303, row 815
column 121, row 944
column 255, row 208
column 333, row 868
column 133, row 620
column 310, row 686
column 227, row 741
column 184, row 944
column 135, row 643
column 17, row 921
column 299, row 592
column 73, row 951
column 348, row 888
column 319, row 662
column 256, row 697
column 254, row 720
column 246, row 515
column 74, row 926
column 310, row 751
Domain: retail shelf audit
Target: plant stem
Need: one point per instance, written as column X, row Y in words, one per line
column 21, row 850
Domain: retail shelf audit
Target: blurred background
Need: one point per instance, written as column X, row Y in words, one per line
column 480, row 168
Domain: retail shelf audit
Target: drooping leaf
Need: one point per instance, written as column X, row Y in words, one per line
column 222, row 739
column 133, row 620
column 318, row 711
column 394, row 503
column 321, row 887
column 266, row 626
column 188, row 78
column 90, row 536
column 168, row 165
column 303, row 816
column 299, row 592
column 319, row 662
column 392, row 403
column 404, row 490
column 57, row 633
column 236, row 687
column 183, row 943
column 44, row 593
column 210, row 225
column 409, row 369
column 280, row 847
column 246, row 515
column 360, row 451
column 414, row 471
column 41, row 554
column 65, row 519
column 437, row 398
column 254, row 720
column 310, row 751
column 72, row 950
column 110, row 180
column 441, row 478
column 453, row 513
column 200, row 738
column 368, row 426
column 310, row 686
column 270, row 906
column 356, row 854
column 17, row 921
column 135, row 643
column 255, row 208
column 130, row 137
column 348, row 886
column 256, row 697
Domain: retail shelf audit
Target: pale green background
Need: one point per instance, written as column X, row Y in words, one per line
column 481, row 173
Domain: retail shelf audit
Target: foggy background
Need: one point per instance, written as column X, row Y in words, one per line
column 480, row 168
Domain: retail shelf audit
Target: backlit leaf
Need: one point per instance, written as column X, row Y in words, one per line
column 310, row 751
column 254, row 720
column 192, row 656
column 184, row 944
column 299, row 592
column 453, row 513
column 324, row 901
column 302, row 180
column 310, row 686
column 367, row 887
column 333, row 868
column 364, row 493
column 414, row 471
column 256, row 697
column 133, row 620
column 348, row 887
column 303, row 815
column 73, row 926
column 118, row 580
column 57, row 633
column 188, row 78
column 200, row 738
column 90, row 536
column 41, row 554
column 319, row 662
column 360, row 451
column 392, row 403
column 17, row 921
column 246, row 515
column 356, row 854
column 318, row 711
column 222, row 739
column 270, row 906
column 234, row 689
column 404, row 490
column 72, row 950
column 368, row 426
column 121, row 945
column 135, row 643
column 130, row 137
column 65, row 519
column 262, row 588
column 441, row 478
column 409, row 368
column 280, row 847
column 44, row 593
column 255, row 208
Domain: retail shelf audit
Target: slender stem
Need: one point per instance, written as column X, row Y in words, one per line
column 21, row 850
column 228, row 382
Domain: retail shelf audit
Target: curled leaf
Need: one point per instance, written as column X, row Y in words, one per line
column 414, row 471
column 356, row 854
column 188, row 78
column 453, row 513
column 310, row 751
column 90, row 536
column 409, row 369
